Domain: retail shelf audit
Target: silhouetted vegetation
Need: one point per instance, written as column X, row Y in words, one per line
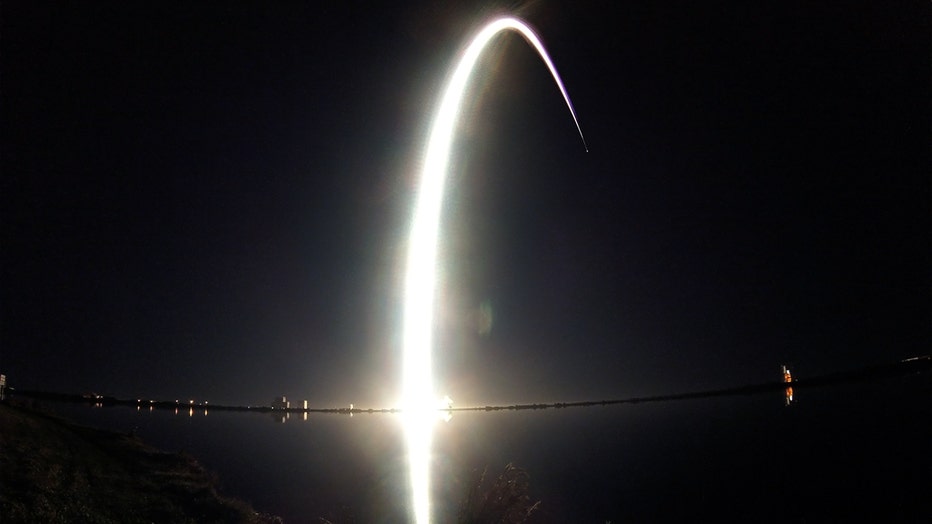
column 52, row 471
column 504, row 500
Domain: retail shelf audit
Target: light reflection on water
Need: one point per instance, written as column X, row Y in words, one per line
column 730, row 458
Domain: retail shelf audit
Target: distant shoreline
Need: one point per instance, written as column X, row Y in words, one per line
column 868, row 374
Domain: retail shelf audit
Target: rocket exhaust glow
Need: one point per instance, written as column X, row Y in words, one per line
column 419, row 402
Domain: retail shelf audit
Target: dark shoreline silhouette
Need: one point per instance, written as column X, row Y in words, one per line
column 103, row 476
column 867, row 374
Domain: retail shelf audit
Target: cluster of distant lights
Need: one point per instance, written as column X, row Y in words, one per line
column 151, row 403
column 444, row 408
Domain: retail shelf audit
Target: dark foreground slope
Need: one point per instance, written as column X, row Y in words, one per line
column 53, row 471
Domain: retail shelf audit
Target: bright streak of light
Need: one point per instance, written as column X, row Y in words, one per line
column 418, row 403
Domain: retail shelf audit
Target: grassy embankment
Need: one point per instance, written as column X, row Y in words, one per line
column 56, row 472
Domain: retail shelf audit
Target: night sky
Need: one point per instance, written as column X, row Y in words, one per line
column 210, row 200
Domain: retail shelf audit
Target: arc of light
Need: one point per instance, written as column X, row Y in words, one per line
column 418, row 404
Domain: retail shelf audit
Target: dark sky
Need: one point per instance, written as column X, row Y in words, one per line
column 210, row 200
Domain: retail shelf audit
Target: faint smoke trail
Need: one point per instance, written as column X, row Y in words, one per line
column 418, row 396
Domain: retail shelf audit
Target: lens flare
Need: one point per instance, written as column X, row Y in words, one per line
column 418, row 398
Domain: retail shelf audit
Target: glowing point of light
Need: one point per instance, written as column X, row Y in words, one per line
column 421, row 263
column 788, row 379
column 446, row 402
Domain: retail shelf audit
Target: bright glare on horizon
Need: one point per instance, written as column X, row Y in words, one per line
column 420, row 276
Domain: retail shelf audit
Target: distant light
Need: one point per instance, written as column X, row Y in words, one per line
column 446, row 402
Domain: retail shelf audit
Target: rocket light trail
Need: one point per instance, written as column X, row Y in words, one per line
column 418, row 396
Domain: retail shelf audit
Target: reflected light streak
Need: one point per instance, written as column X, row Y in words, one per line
column 417, row 393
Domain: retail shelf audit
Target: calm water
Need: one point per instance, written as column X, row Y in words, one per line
column 839, row 454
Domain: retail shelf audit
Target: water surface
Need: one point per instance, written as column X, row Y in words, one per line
column 842, row 453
